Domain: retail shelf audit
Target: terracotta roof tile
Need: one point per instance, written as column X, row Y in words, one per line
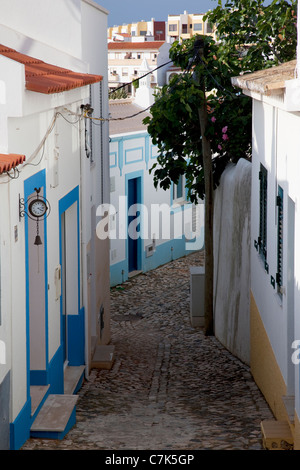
column 46, row 78
column 267, row 81
column 135, row 45
column 10, row 161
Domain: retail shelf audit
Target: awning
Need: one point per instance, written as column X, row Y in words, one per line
column 10, row 161
column 46, row 78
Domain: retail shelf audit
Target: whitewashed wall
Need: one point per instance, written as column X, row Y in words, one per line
column 276, row 146
column 39, row 24
column 232, row 259
column 134, row 153
column 55, row 32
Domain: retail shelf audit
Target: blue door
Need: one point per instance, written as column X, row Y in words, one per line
column 134, row 240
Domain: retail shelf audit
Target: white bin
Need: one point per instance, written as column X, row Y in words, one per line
column 197, row 275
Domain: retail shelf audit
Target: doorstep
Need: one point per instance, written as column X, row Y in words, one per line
column 56, row 417
column 38, row 394
column 73, row 378
column 276, row 435
column 104, row 357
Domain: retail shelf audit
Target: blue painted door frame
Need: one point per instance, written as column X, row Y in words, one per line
column 134, row 185
column 37, row 180
column 72, row 326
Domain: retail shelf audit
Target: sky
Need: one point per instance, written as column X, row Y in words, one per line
column 130, row 11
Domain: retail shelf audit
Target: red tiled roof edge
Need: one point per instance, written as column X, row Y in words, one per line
column 10, row 161
column 135, row 45
column 46, row 78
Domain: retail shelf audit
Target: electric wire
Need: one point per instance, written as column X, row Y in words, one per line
column 85, row 115
column 41, row 146
column 139, row 78
column 187, row 70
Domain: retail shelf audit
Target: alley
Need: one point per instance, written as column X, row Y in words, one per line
column 170, row 386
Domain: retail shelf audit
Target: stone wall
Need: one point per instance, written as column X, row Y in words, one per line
column 232, row 259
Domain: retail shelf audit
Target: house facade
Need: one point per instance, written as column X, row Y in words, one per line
column 54, row 271
column 148, row 226
column 183, row 25
column 186, row 25
column 125, row 60
column 275, row 255
column 141, row 29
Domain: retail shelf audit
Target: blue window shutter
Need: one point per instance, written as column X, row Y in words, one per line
column 263, row 200
column 279, row 236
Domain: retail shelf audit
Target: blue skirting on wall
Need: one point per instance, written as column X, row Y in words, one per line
column 164, row 253
column 76, row 355
column 20, row 428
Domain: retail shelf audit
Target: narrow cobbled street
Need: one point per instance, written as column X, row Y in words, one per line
column 170, row 386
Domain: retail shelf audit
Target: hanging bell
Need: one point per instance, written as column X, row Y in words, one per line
column 37, row 240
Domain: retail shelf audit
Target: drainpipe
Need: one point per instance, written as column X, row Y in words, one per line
column 82, row 200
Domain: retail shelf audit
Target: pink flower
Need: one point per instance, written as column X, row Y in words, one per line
column 225, row 137
column 224, row 130
column 213, row 119
column 220, row 147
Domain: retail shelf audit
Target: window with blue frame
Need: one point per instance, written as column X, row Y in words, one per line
column 279, row 238
column 179, row 190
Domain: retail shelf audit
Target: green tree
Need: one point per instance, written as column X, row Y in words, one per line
column 199, row 113
column 253, row 36
column 118, row 94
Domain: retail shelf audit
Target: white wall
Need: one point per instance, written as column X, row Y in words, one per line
column 266, row 150
column 56, row 32
column 38, row 24
column 134, row 153
column 25, row 134
column 94, row 27
column 276, row 145
column 5, row 276
column 232, row 220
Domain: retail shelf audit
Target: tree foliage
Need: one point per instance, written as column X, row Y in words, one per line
column 250, row 36
column 254, row 36
column 118, row 94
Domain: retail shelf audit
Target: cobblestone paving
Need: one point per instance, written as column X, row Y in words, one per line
column 170, row 387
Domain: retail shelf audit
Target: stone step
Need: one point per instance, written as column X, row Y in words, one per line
column 37, row 395
column 73, row 378
column 104, row 357
column 56, row 417
column 276, row 435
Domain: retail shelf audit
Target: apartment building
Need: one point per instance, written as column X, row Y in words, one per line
column 125, row 61
column 154, row 30
column 186, row 25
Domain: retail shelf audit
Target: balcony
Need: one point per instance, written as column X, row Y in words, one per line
column 114, row 77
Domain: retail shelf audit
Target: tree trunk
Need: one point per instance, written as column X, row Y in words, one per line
column 209, row 211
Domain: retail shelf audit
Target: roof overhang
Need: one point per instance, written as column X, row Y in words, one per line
column 42, row 77
column 10, row 161
column 271, row 81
